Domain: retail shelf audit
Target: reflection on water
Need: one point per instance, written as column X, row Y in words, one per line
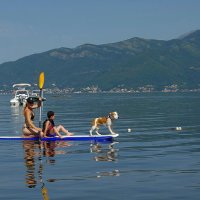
column 109, row 154
column 32, row 156
column 37, row 154
column 35, row 151
column 49, row 150
column 112, row 173
column 17, row 119
column 16, row 111
column 44, row 190
column 30, row 148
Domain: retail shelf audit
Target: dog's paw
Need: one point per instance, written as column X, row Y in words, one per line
column 90, row 132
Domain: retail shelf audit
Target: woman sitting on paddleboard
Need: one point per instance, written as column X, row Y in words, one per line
column 29, row 129
column 49, row 128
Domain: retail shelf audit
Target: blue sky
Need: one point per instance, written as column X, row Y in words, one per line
column 34, row 26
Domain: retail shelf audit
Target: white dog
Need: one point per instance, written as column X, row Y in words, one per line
column 104, row 121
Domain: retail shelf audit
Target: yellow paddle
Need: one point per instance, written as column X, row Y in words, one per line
column 41, row 84
column 41, row 80
column 45, row 193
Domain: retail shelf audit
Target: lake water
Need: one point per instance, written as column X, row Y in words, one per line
column 153, row 161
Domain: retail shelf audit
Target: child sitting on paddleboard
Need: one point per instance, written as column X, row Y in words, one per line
column 49, row 128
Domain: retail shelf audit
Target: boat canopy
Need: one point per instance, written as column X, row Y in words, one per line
column 22, row 85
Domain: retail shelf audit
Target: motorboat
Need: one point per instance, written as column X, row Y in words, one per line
column 21, row 94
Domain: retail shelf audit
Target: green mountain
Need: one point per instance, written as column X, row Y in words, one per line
column 132, row 63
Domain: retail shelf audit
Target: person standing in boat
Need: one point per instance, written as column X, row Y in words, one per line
column 29, row 129
column 49, row 128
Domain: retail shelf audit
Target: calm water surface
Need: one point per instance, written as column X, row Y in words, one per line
column 153, row 161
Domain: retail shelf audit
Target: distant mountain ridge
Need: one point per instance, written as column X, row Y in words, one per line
column 132, row 63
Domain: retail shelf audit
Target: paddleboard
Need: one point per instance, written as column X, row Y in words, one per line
column 65, row 138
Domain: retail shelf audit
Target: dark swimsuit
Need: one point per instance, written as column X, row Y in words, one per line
column 51, row 126
column 33, row 132
column 32, row 118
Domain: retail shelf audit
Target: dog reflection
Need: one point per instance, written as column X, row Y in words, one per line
column 111, row 173
column 109, row 154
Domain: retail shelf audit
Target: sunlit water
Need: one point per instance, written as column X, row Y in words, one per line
column 153, row 161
